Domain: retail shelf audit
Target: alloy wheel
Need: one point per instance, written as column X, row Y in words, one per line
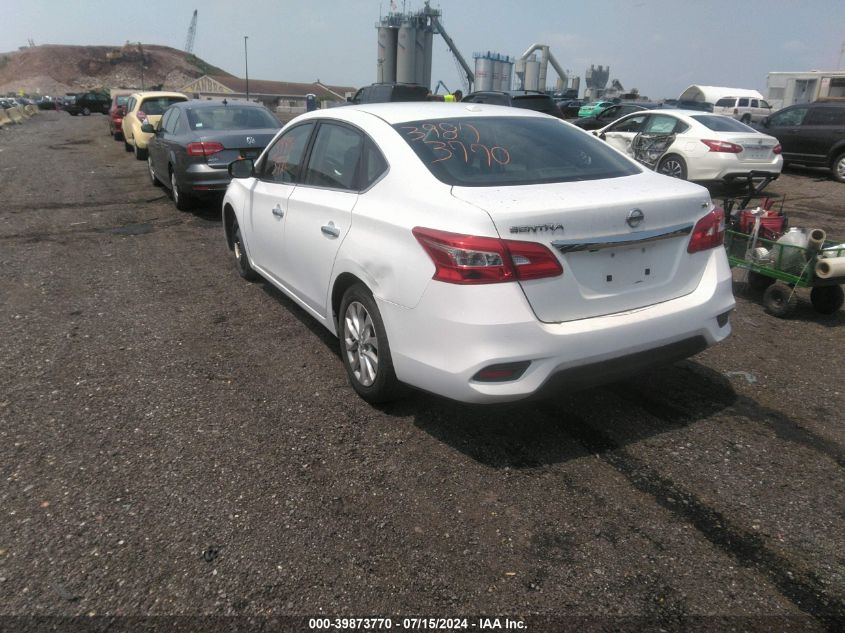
column 840, row 168
column 672, row 168
column 360, row 343
column 174, row 188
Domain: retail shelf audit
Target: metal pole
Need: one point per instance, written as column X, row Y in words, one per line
column 246, row 67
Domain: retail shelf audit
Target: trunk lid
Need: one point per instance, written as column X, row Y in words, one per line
column 608, row 265
column 237, row 144
column 755, row 147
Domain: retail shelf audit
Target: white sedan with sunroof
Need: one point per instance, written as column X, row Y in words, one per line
column 693, row 145
column 479, row 252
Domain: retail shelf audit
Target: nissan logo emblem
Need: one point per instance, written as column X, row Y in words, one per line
column 635, row 216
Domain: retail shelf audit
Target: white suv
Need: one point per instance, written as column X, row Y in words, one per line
column 745, row 109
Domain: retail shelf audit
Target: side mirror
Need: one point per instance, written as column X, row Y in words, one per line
column 147, row 128
column 242, row 168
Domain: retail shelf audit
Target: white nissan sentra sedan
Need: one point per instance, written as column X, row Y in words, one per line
column 479, row 252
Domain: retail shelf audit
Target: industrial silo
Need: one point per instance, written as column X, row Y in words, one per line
column 507, row 75
column 429, row 47
column 532, row 74
column 406, row 48
column 386, row 60
column 519, row 71
column 484, row 73
column 419, row 58
column 497, row 74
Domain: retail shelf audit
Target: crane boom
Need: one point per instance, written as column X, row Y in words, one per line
column 192, row 33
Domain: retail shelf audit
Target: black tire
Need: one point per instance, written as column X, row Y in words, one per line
column 140, row 154
column 153, row 178
column 837, row 169
column 86, row 112
column 127, row 146
column 759, row 282
column 746, row 118
column 827, row 299
column 241, row 259
column 780, row 300
column 674, row 166
column 363, row 340
column 181, row 201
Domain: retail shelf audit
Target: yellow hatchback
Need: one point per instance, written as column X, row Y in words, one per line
column 145, row 107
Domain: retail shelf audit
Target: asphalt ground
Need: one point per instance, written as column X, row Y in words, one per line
column 175, row 441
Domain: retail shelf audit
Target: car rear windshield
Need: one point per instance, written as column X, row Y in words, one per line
column 500, row 151
column 231, row 117
column 722, row 123
column 157, row 105
column 122, row 101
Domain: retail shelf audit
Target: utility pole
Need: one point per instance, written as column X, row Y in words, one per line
column 246, row 66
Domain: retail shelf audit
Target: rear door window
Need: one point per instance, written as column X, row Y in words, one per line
column 335, row 158
column 825, row 116
column 726, row 103
column 660, row 124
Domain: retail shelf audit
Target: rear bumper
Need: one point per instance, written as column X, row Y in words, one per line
column 455, row 331
column 719, row 166
column 202, row 180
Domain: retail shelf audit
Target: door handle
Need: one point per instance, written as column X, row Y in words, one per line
column 277, row 211
column 330, row 229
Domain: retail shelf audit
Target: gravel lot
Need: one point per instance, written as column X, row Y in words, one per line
column 176, row 441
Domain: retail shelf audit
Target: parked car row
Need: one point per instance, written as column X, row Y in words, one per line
column 189, row 144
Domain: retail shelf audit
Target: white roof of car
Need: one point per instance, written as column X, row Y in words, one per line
column 400, row 112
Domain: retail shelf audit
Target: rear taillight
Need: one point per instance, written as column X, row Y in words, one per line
column 709, row 232
column 722, row 146
column 142, row 116
column 777, row 149
column 204, row 148
column 469, row 259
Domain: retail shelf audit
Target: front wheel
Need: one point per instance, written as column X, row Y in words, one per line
column 673, row 166
column 364, row 347
column 827, row 299
column 241, row 260
column 838, row 168
column 86, row 112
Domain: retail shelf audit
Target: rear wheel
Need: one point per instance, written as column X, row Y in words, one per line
column 674, row 166
column 180, row 200
column 86, row 112
column 827, row 299
column 364, row 347
column 838, row 168
column 140, row 154
column 746, row 118
column 127, row 146
column 780, row 300
column 241, row 260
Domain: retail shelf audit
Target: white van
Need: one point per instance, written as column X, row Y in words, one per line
column 745, row 109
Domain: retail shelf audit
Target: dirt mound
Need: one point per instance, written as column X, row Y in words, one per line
column 57, row 69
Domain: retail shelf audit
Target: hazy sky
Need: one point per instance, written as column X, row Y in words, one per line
column 658, row 46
